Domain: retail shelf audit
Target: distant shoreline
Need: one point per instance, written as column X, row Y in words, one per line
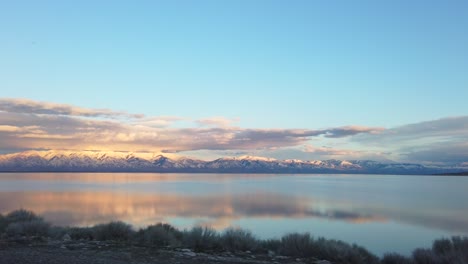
column 464, row 173
column 243, row 172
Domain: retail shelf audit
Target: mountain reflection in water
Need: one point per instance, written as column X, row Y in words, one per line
column 406, row 210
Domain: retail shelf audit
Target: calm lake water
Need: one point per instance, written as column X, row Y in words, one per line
column 382, row 213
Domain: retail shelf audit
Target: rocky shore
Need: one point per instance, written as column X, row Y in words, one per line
column 29, row 250
column 26, row 238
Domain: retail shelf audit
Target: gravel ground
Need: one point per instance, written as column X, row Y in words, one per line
column 85, row 252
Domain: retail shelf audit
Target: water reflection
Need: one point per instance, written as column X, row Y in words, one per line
column 128, row 177
column 382, row 213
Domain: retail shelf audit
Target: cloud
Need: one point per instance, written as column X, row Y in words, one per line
column 441, row 140
column 438, row 152
column 27, row 124
column 328, row 151
column 27, row 106
column 298, row 134
column 158, row 121
column 351, row 130
column 311, row 152
column 217, row 121
column 38, row 125
column 450, row 127
column 29, row 129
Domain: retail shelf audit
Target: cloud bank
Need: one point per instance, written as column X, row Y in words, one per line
column 442, row 140
column 30, row 124
column 27, row 124
column 26, row 106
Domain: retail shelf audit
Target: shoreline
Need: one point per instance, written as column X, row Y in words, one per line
column 23, row 233
column 34, row 250
column 243, row 173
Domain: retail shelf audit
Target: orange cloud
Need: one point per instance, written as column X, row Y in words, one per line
column 27, row 124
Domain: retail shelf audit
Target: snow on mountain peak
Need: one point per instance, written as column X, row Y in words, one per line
column 100, row 155
column 247, row 157
column 109, row 161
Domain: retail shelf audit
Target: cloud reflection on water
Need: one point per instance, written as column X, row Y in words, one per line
column 88, row 208
column 221, row 200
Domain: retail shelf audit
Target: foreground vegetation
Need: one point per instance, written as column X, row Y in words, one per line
column 22, row 223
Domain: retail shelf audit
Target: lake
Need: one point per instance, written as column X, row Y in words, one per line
column 381, row 212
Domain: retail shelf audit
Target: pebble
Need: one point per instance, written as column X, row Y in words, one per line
column 66, row 237
column 190, row 254
column 322, row 262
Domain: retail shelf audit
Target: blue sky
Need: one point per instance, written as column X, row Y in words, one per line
column 266, row 64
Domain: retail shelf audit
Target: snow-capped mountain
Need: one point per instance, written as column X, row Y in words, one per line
column 92, row 161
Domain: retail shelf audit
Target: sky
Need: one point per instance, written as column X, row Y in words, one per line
column 382, row 80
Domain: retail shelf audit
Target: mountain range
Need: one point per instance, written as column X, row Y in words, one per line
column 93, row 161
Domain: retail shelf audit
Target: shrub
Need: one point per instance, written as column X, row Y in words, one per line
column 339, row 251
column 30, row 228
column 442, row 246
column 295, row 244
column 3, row 224
column 21, row 215
column 364, row 254
column 119, row 231
column 77, row 233
column 239, row 239
column 159, row 235
column 271, row 244
column 452, row 258
column 57, row 232
column 24, row 223
column 425, row 256
column 21, row 222
column 324, row 248
column 202, row 238
column 454, row 250
column 460, row 244
column 303, row 245
column 395, row 258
